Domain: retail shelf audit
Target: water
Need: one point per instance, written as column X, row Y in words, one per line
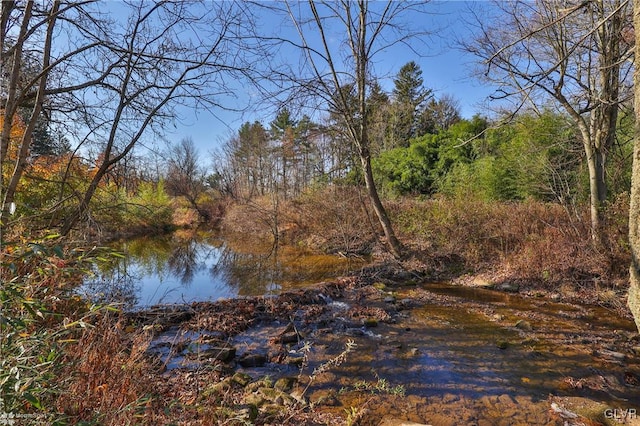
column 451, row 344
column 186, row 267
column 447, row 348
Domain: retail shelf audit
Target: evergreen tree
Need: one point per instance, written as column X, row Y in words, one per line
column 409, row 96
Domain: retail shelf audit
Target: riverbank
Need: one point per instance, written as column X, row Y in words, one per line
column 385, row 346
column 536, row 245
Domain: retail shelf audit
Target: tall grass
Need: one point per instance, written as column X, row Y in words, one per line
column 525, row 240
column 56, row 347
column 109, row 376
column 41, row 318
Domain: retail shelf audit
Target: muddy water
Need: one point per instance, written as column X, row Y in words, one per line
column 458, row 350
column 460, row 355
column 187, row 266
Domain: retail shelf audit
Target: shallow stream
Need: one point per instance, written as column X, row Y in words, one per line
column 486, row 357
column 460, row 355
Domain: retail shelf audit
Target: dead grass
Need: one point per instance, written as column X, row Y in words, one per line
column 256, row 217
column 525, row 241
column 109, row 377
column 528, row 241
column 336, row 219
column 331, row 219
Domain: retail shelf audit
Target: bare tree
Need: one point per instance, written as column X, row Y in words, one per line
column 169, row 54
column 114, row 80
column 634, row 207
column 186, row 177
column 331, row 71
column 571, row 53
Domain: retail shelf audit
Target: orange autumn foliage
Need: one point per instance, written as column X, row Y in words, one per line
column 17, row 131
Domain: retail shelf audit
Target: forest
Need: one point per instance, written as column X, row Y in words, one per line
column 536, row 197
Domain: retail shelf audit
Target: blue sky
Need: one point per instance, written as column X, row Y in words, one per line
column 445, row 70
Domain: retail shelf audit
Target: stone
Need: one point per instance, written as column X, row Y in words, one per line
column 380, row 286
column 277, row 396
column 370, row 322
column 246, row 412
column 523, row 325
column 272, row 410
column 218, row 388
column 502, row 344
column 291, row 337
column 254, row 399
column 611, row 354
column 241, row 379
column 326, row 397
column 508, row 287
column 224, row 354
column 294, row 359
column 395, row 344
column 285, row 383
column 354, row 331
column 255, row 386
column 252, row 360
column 482, row 282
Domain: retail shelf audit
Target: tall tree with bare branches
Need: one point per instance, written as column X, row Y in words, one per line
column 572, row 54
column 115, row 75
column 338, row 42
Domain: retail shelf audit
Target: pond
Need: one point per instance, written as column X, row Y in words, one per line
column 186, row 267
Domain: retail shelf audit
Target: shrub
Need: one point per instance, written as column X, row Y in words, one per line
column 39, row 316
column 336, row 219
column 525, row 240
column 149, row 208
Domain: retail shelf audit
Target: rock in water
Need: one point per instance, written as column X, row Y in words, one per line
column 253, row 360
column 523, row 325
column 508, row 287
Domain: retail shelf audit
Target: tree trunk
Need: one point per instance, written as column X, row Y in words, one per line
column 395, row 247
column 10, row 105
column 634, row 207
column 27, row 137
column 595, row 188
column 597, row 183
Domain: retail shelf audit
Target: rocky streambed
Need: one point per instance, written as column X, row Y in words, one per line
column 385, row 347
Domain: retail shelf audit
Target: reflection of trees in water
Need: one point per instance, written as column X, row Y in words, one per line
column 184, row 260
column 150, row 254
column 257, row 274
column 115, row 285
column 251, row 273
column 245, row 270
column 169, row 255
